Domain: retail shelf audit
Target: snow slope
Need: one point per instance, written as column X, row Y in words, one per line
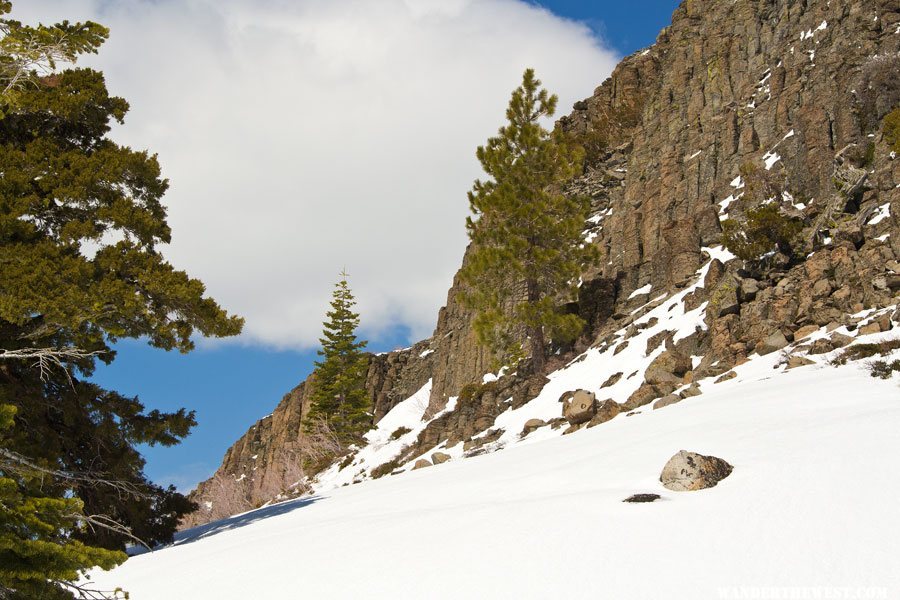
column 811, row 506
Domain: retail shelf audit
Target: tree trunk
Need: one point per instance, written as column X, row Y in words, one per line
column 536, row 332
column 538, row 358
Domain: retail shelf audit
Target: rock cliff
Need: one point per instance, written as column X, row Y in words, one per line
column 733, row 98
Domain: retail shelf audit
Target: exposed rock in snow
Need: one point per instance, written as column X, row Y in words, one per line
column 689, row 471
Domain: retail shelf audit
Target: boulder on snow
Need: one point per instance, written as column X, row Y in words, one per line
column 668, row 367
column 606, row 410
column 799, row 361
column 666, row 401
column 870, row 328
column 421, row 464
column 532, row 425
column 439, row 457
column 690, row 392
column 642, row 498
column 689, row 471
column 647, row 393
column 578, row 406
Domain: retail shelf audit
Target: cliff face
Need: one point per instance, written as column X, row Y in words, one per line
column 789, row 91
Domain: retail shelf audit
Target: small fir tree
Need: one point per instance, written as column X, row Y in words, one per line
column 527, row 247
column 339, row 394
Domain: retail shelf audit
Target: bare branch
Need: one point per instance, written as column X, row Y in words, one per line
column 84, row 593
column 13, row 462
column 47, row 358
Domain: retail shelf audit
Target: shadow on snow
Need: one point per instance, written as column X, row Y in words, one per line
column 236, row 522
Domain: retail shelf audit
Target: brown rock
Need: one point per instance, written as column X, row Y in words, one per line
column 612, row 380
column 439, row 458
column 870, row 328
column 839, row 340
column 578, row 406
column 668, row 367
column 666, row 401
column 532, row 425
column 799, row 361
column 691, row 391
column 421, row 464
column 726, row 377
column 607, row 410
column 805, row 331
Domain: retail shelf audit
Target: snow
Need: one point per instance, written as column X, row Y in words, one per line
column 381, row 447
column 694, row 155
column 882, row 213
column 811, row 504
column 770, row 158
column 811, row 501
column 426, row 353
column 737, row 182
column 724, row 204
column 640, row 291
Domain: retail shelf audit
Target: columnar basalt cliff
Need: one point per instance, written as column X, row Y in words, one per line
column 790, row 91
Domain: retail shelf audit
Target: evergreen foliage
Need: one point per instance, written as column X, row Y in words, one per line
column 37, row 555
column 339, row 396
column 892, row 129
column 80, row 225
column 765, row 229
column 527, row 248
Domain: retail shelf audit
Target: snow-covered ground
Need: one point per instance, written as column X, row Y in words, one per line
column 810, row 511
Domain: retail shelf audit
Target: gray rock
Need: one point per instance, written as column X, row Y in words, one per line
column 775, row 341
column 749, row 288
column 689, row 471
column 642, row 498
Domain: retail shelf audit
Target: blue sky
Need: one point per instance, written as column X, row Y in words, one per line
column 233, row 385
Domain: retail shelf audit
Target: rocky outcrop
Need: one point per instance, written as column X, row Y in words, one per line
column 787, row 89
column 689, row 471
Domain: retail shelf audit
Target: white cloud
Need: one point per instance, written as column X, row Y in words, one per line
column 304, row 136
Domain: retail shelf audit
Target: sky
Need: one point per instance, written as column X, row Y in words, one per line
column 305, row 137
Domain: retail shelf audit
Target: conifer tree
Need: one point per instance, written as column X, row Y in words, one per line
column 81, row 220
column 339, row 394
column 527, row 249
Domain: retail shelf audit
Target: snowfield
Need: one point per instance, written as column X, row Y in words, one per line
column 810, row 511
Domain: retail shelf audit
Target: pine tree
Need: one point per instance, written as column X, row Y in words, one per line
column 72, row 487
column 339, row 394
column 38, row 558
column 527, row 249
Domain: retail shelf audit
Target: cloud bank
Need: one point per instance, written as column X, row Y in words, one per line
column 306, row 136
